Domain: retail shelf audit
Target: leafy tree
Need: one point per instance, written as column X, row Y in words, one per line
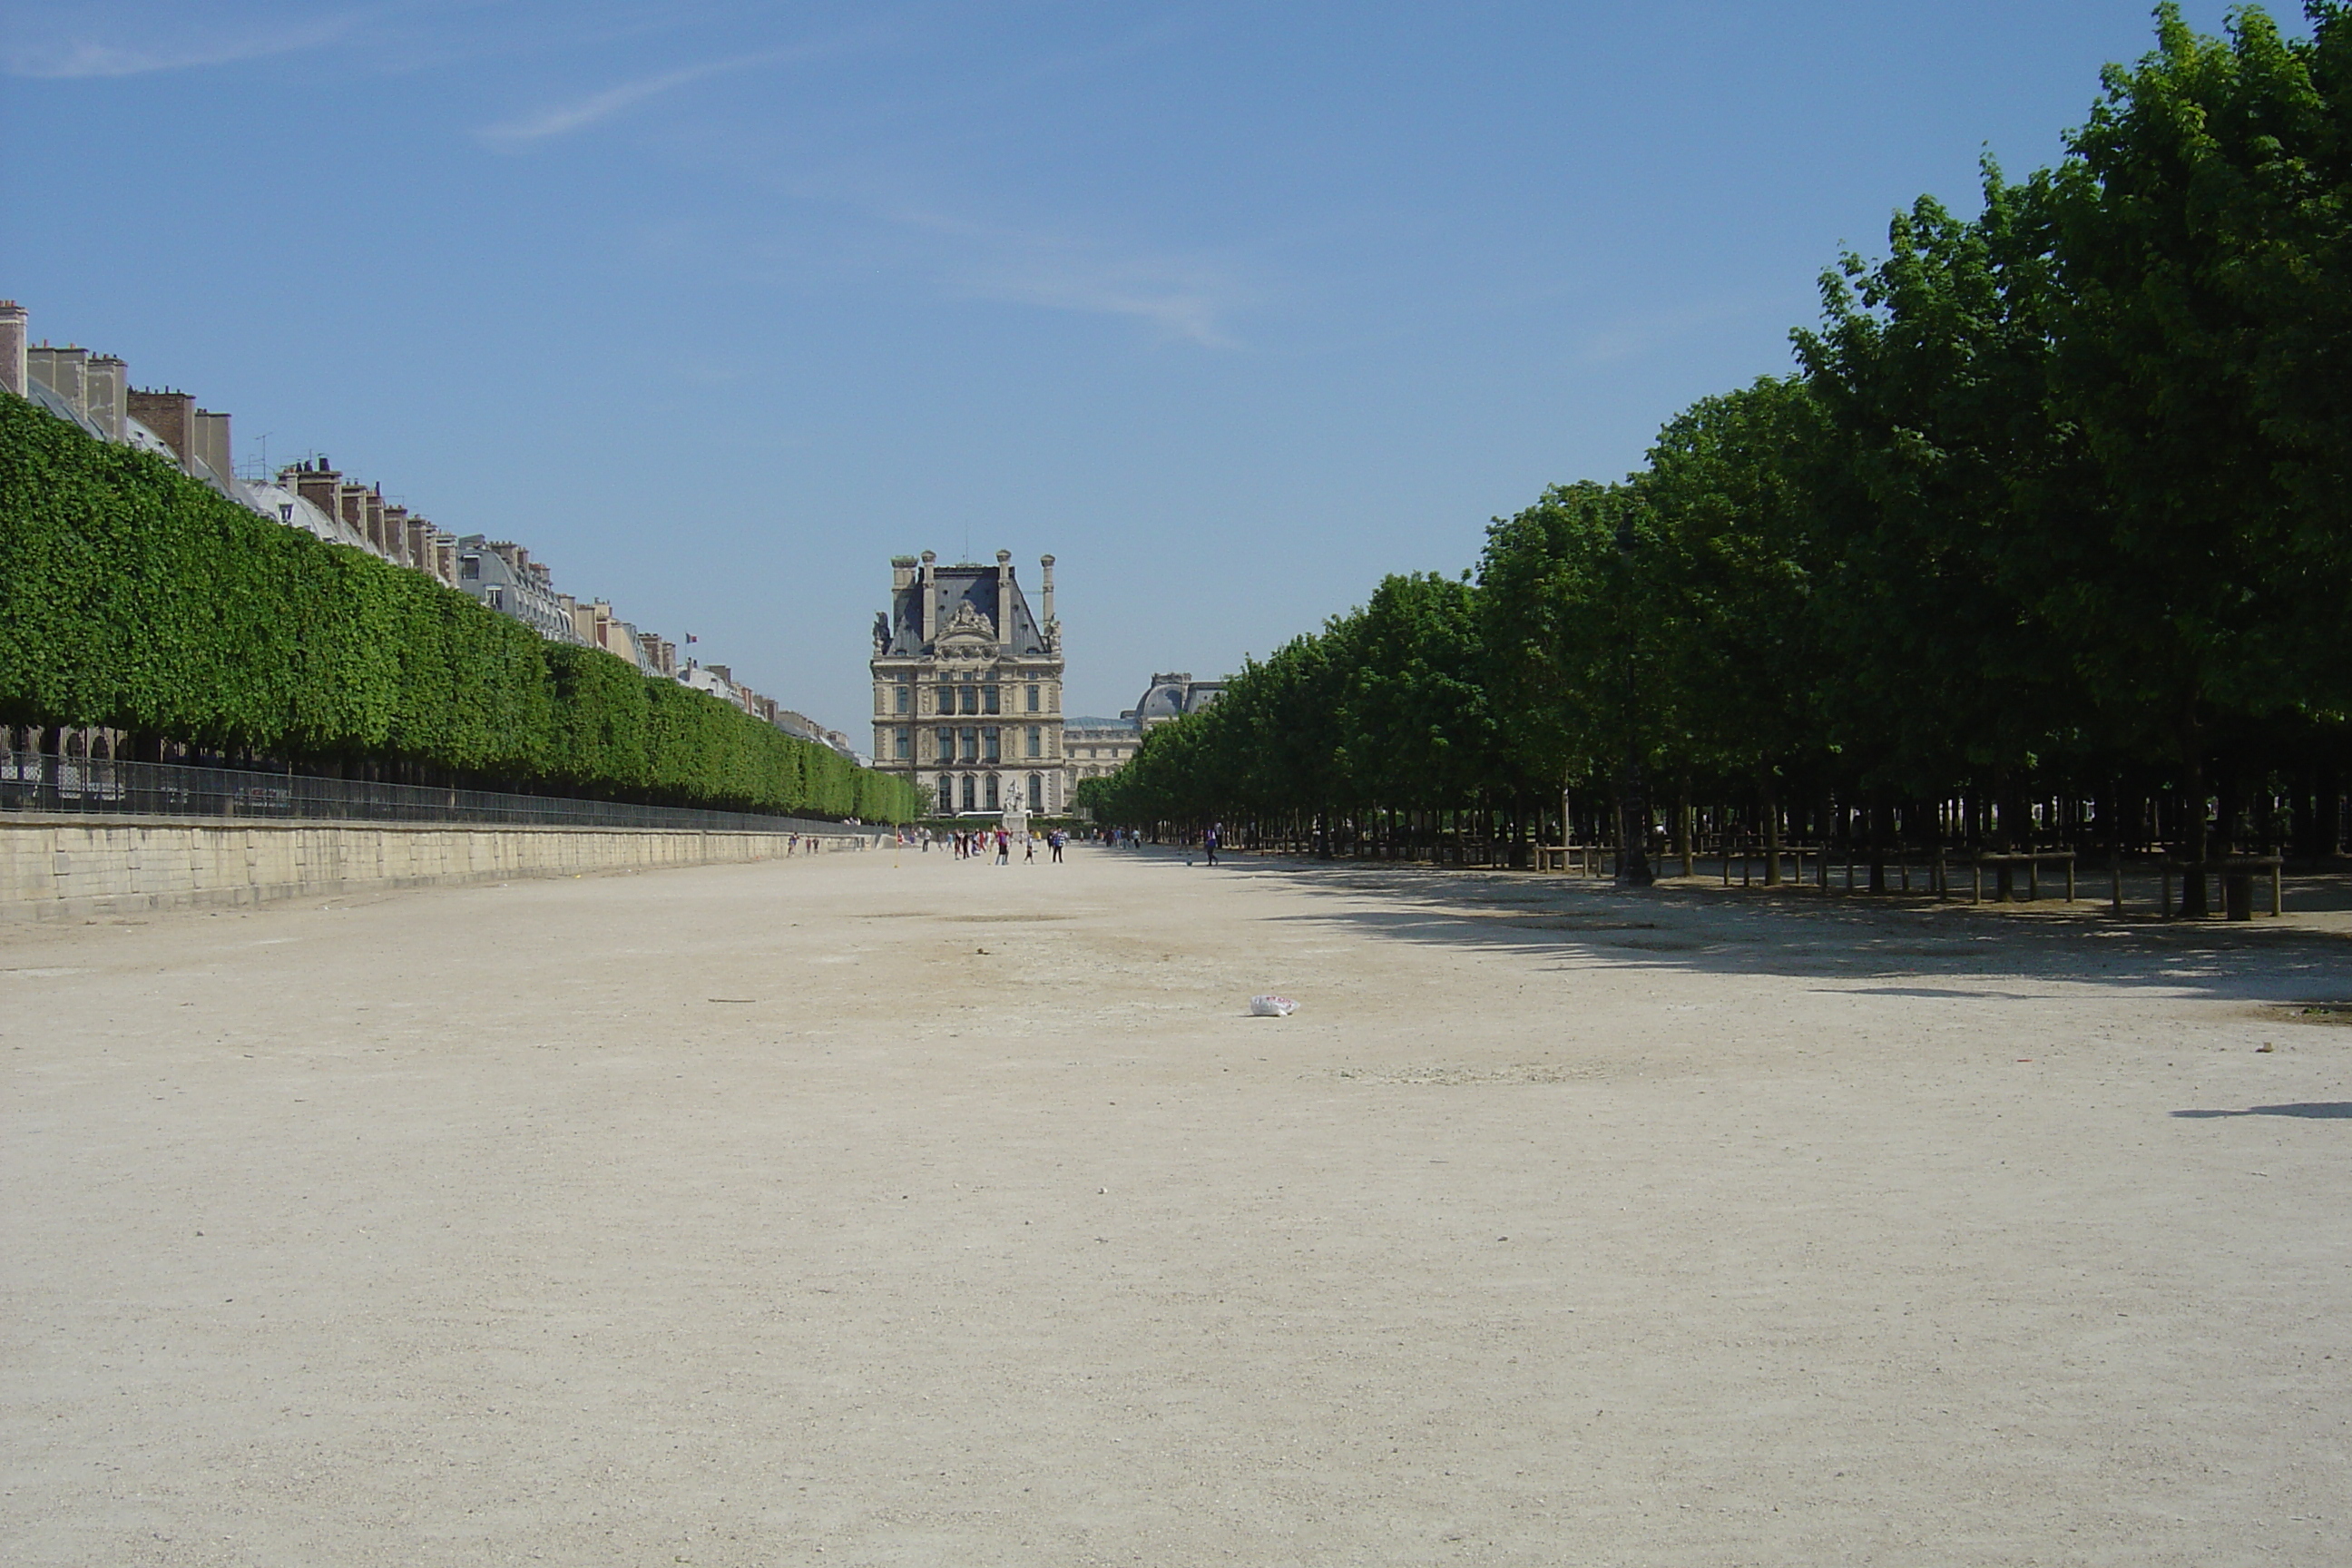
column 1938, row 480
column 2202, row 242
column 1579, row 630
column 1729, row 490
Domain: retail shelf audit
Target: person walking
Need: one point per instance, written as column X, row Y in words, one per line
column 1003, row 848
column 1209, row 843
column 1054, row 844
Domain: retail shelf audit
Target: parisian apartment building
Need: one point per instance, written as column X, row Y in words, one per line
column 93, row 391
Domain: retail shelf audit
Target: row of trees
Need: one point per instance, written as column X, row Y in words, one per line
column 2047, row 533
column 133, row 598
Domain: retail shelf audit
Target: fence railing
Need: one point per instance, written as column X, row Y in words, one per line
column 37, row 782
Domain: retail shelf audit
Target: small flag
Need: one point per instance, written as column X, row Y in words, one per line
column 690, row 638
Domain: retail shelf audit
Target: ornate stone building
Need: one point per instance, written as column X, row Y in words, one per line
column 967, row 685
column 1098, row 747
column 1172, row 696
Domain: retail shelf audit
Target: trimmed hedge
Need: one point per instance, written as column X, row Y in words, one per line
column 134, row 598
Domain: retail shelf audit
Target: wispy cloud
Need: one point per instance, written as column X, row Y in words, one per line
column 564, row 119
column 1185, row 297
column 70, row 58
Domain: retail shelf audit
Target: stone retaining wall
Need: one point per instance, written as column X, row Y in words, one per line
column 55, row 867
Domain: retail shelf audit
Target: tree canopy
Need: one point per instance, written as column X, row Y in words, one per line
column 2055, row 497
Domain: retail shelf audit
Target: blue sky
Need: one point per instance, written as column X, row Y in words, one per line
column 1233, row 308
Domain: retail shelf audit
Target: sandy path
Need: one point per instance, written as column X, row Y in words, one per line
column 757, row 1214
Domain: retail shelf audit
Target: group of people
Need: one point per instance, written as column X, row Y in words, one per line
column 1208, row 838
column 985, row 843
column 975, row 843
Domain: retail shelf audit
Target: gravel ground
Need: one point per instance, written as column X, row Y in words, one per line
column 893, row 1210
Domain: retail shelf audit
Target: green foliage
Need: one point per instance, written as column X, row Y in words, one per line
column 2060, row 490
column 134, row 597
column 1569, row 591
column 2204, row 333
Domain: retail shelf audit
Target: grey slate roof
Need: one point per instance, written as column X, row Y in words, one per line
column 975, row 586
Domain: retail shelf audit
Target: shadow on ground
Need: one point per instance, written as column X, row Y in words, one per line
column 1910, row 942
column 2312, row 1110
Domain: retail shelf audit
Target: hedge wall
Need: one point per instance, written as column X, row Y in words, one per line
column 134, row 598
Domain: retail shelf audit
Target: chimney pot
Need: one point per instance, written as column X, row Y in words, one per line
column 14, row 324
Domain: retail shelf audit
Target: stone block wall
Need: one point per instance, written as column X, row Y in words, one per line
column 53, row 868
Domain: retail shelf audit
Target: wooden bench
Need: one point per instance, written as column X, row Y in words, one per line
column 2237, row 873
column 2032, row 859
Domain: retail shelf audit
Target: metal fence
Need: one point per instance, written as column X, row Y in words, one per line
column 36, row 782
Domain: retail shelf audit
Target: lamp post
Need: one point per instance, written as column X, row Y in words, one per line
column 1633, row 805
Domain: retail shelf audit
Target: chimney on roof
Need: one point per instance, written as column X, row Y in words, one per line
column 63, row 372
column 931, row 596
column 317, row 483
column 1004, row 599
column 106, row 383
column 15, row 325
column 351, row 505
column 1046, row 585
column 212, row 443
column 172, row 416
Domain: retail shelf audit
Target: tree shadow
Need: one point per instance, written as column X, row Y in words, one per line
column 2312, row 1110
column 1891, row 939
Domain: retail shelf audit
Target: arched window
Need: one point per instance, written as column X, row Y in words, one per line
column 970, row 785
column 991, row 794
column 1036, row 792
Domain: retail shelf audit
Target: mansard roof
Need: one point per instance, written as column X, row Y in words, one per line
column 963, row 593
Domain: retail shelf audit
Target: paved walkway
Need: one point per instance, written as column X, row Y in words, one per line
column 849, row 1212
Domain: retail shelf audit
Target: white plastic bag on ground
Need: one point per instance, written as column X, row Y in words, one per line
column 1272, row 1006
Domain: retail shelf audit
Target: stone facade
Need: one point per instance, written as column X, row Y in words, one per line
column 967, row 685
column 1099, row 747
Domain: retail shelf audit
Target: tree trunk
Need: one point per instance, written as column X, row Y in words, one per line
column 1877, row 848
column 2327, row 812
column 1683, row 824
column 2194, row 839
